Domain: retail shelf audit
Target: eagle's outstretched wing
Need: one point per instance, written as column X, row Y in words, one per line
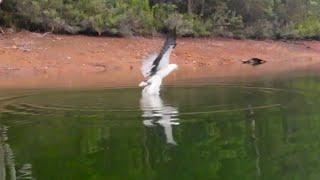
column 147, row 65
column 155, row 62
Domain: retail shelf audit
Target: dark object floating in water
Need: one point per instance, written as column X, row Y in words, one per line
column 254, row 61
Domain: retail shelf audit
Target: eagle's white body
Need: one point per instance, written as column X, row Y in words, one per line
column 152, row 85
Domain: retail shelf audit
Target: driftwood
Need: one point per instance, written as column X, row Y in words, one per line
column 45, row 34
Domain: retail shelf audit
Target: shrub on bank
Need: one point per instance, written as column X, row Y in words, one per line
column 241, row 19
column 310, row 28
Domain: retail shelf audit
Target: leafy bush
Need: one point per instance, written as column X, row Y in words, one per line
column 310, row 28
column 61, row 15
column 232, row 18
column 225, row 22
column 261, row 30
column 135, row 17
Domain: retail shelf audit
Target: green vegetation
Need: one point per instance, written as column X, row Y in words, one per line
column 227, row 18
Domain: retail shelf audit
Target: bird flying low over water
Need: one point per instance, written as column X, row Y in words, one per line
column 156, row 67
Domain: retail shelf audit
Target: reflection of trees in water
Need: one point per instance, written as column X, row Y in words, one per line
column 216, row 146
column 251, row 126
column 93, row 140
column 2, row 156
column 7, row 162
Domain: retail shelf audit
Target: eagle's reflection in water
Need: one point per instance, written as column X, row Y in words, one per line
column 155, row 112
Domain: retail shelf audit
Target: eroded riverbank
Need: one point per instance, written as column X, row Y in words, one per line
column 32, row 60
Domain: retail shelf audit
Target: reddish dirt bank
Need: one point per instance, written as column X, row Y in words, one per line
column 32, row 60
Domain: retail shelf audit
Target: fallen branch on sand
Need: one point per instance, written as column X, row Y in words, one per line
column 45, row 34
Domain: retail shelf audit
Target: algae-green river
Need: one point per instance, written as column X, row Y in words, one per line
column 266, row 129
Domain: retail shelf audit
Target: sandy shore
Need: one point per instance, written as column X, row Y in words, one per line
column 33, row 60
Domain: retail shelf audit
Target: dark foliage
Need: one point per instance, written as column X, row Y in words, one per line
column 227, row 18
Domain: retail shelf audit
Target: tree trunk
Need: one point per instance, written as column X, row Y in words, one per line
column 202, row 7
column 190, row 6
column 307, row 3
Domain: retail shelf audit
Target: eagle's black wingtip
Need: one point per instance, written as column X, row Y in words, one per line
column 170, row 32
column 172, row 36
column 173, row 33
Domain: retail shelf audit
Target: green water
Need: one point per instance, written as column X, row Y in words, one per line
column 269, row 129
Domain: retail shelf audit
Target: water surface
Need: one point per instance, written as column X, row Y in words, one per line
column 266, row 129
